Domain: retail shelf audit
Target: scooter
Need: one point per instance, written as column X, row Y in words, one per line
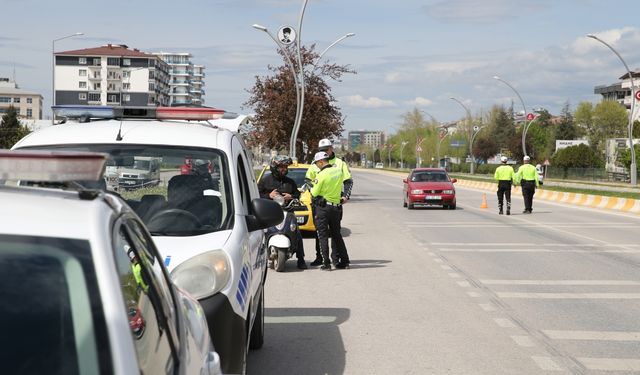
column 282, row 240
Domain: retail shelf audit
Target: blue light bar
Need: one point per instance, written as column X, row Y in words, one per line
column 83, row 111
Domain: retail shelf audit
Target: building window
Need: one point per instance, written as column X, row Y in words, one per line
column 126, row 74
column 97, row 61
column 126, row 62
column 126, row 98
column 126, row 86
column 112, row 98
column 113, row 61
column 29, row 100
column 29, row 113
column 82, row 60
column 82, row 72
column 16, row 100
column 82, row 85
column 152, row 87
column 94, row 97
column 96, row 74
column 82, row 96
column 96, row 86
column 5, row 99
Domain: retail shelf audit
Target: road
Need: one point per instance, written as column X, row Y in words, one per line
column 434, row 291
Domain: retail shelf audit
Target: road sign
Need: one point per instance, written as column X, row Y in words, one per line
column 638, row 95
column 286, row 35
column 442, row 133
column 546, row 162
column 530, row 116
column 418, row 149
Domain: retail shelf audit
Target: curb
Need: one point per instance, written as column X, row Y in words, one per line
column 586, row 200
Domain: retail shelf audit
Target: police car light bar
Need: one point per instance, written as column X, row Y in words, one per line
column 188, row 113
column 83, row 111
column 51, row 166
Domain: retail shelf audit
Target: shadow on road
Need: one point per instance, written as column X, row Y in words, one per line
column 367, row 263
column 301, row 341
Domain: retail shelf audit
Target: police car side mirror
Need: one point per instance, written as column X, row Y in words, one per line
column 265, row 213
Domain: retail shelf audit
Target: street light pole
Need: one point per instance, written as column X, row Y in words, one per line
column 445, row 133
column 633, row 171
column 471, row 167
column 296, row 125
column 404, row 143
column 53, row 70
column 345, row 36
column 525, row 127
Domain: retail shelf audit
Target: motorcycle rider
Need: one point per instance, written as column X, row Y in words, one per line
column 277, row 183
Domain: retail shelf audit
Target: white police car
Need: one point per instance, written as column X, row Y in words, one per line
column 83, row 288
column 205, row 214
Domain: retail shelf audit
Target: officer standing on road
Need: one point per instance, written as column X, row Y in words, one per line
column 327, row 198
column 277, row 183
column 528, row 177
column 505, row 176
column 347, row 185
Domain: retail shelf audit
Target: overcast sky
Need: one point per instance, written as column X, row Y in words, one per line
column 408, row 53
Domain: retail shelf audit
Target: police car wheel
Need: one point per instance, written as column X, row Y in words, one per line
column 257, row 332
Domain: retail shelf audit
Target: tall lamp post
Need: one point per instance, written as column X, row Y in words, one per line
column 633, row 171
column 404, row 143
column 525, row 127
column 471, row 167
column 476, row 130
column 442, row 134
column 345, row 36
column 53, row 70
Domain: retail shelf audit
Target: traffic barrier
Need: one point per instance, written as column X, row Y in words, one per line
column 577, row 199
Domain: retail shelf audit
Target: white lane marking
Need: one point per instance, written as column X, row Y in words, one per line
column 559, row 282
column 539, row 250
column 479, row 226
column 454, row 274
column 432, row 254
column 519, row 244
column 438, row 260
column 504, row 323
column 610, row 364
column 445, row 267
column 523, row 295
column 593, row 335
column 474, row 294
column 464, row 284
column 299, row 319
column 546, row 363
column 523, row 340
column 487, row 307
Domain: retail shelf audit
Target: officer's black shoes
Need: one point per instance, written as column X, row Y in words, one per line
column 316, row 262
column 342, row 265
column 526, row 212
column 500, row 212
column 508, row 211
column 326, row 267
column 302, row 265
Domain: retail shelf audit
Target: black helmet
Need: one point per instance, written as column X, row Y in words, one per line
column 278, row 161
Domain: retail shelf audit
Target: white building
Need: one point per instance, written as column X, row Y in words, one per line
column 185, row 79
column 28, row 104
column 110, row 75
column 621, row 92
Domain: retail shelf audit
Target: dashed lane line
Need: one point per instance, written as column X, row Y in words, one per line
column 592, row 335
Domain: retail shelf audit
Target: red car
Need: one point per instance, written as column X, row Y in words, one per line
column 429, row 186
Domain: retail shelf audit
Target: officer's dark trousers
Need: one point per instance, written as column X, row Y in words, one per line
column 327, row 221
column 528, row 190
column 334, row 246
column 504, row 191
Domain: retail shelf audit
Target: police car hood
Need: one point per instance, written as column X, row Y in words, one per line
column 175, row 250
column 432, row 185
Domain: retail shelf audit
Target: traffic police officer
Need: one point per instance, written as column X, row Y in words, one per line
column 528, row 177
column 327, row 198
column 347, row 182
column 505, row 176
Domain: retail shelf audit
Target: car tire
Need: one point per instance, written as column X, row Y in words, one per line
column 404, row 203
column 257, row 332
column 281, row 259
column 410, row 206
column 452, row 206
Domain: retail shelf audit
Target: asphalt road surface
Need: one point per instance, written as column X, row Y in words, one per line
column 466, row 291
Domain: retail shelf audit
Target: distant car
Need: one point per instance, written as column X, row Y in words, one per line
column 540, row 170
column 379, row 165
column 429, row 187
column 303, row 216
column 83, row 286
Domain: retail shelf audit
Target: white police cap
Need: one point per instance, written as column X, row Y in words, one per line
column 526, row 158
column 320, row 156
column 324, row 144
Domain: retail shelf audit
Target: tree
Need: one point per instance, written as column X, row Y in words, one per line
column 376, row 156
column 273, row 100
column 608, row 119
column 11, row 130
column 566, row 129
column 624, row 157
column 580, row 156
column 484, row 148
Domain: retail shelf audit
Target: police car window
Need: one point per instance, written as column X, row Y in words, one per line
column 55, row 321
column 176, row 191
column 244, row 186
column 143, row 308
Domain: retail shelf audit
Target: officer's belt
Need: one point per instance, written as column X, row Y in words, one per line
column 334, row 204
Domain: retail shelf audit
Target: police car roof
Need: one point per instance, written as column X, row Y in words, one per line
column 150, row 132
column 49, row 212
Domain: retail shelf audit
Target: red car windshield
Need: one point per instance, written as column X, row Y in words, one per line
column 429, row 176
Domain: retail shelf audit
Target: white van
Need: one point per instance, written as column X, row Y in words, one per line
column 205, row 214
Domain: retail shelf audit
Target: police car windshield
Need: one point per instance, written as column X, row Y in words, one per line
column 176, row 191
column 53, row 292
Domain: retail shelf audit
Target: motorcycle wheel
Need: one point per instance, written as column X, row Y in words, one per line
column 279, row 262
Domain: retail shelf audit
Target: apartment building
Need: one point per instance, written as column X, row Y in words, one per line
column 371, row 138
column 185, row 79
column 28, row 104
column 621, row 91
column 111, row 74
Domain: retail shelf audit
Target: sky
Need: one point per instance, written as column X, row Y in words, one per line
column 407, row 53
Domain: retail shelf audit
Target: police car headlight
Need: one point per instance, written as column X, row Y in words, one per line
column 416, row 191
column 203, row 275
column 447, row 191
column 293, row 227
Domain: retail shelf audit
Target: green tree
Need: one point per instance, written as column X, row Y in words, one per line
column 484, row 148
column 376, row 156
column 501, row 127
column 273, row 100
column 580, row 156
column 608, row 119
column 11, row 130
column 624, row 157
column 566, row 128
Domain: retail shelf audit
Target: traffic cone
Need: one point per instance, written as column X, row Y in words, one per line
column 484, row 201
